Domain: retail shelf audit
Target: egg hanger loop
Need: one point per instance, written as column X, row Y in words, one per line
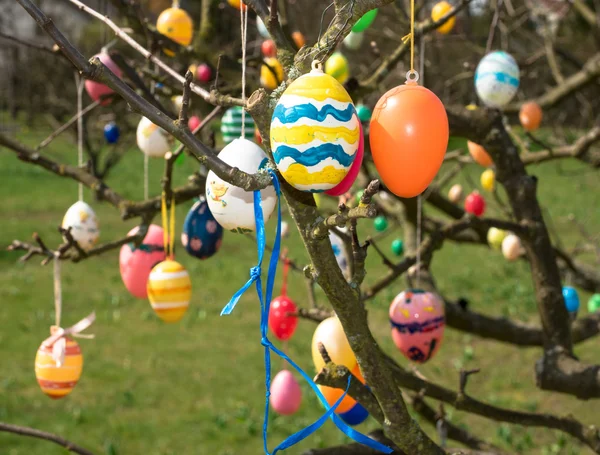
column 176, row 4
column 412, row 77
column 317, row 65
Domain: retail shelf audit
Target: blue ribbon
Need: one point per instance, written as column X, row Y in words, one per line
column 255, row 277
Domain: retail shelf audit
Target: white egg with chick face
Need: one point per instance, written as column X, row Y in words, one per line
column 83, row 223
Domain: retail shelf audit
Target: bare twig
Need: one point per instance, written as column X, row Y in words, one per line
column 31, row 432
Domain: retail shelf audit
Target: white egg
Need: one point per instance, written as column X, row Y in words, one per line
column 455, row 193
column 478, row 8
column 233, row 207
column 354, row 40
column 511, row 247
column 497, row 79
column 152, row 139
column 341, row 255
column 285, row 229
column 83, row 223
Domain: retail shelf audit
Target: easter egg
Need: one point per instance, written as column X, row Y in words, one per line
column 571, row 299
column 136, row 262
column 231, row 125
column 298, row 39
column 201, row 236
column 268, row 48
column 111, row 133
column 341, row 256
column 152, row 139
column 261, row 27
column 177, row 102
column 409, row 136
column 169, row 290
column 380, row 223
column 495, row 237
column 440, row 10
column 204, row 73
column 418, row 321
column 285, row 229
column 359, row 195
column 455, row 193
column 237, row 4
column 232, row 206
column 347, row 181
column 332, row 395
column 315, row 133
column 594, row 303
column 331, row 334
column 479, row 155
column 286, row 395
column 83, row 223
column 56, row 380
column 478, row 8
column 194, row 122
column 475, row 204
column 511, row 247
column 96, row 90
column 530, row 116
column 488, row 180
column 365, row 21
column 364, row 113
column 282, row 321
column 355, row 416
column 337, row 67
column 398, row 247
column 497, row 79
column 354, row 40
column 271, row 73
column 176, row 25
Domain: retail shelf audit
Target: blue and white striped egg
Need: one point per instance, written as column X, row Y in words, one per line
column 497, row 79
column 315, row 132
column 201, row 235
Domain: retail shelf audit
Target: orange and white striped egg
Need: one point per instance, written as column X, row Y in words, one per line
column 169, row 290
column 58, row 381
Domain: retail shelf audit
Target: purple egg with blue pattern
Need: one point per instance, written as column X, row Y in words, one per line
column 202, row 235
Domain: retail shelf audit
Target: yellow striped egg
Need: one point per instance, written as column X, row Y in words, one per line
column 177, row 25
column 169, row 290
column 54, row 380
column 314, row 132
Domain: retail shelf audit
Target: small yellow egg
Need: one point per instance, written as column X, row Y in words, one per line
column 271, row 73
column 488, row 180
column 439, row 11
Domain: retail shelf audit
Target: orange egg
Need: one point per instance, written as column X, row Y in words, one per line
column 409, row 136
column 299, row 39
column 58, row 380
column 530, row 116
column 356, row 372
column 237, row 4
column 479, row 154
column 439, row 11
column 332, row 395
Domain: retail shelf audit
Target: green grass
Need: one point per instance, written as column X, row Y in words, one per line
column 196, row 387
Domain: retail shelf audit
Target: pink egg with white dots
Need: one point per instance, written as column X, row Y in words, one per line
column 418, row 322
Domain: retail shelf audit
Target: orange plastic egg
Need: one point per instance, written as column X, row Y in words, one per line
column 299, row 39
column 530, row 116
column 479, row 154
column 409, row 136
column 237, row 4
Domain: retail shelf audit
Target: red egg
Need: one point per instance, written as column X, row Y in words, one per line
column 475, row 204
column 409, row 135
column 530, row 116
column 282, row 324
column 203, row 73
column 268, row 48
column 194, row 122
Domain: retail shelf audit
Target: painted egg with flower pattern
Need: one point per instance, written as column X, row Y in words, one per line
column 201, row 235
column 418, row 322
column 82, row 220
column 169, row 290
column 136, row 262
column 315, row 132
column 58, row 380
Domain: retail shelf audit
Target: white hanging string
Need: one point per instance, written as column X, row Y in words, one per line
column 57, row 292
column 419, row 208
column 145, row 176
column 244, row 34
column 80, row 83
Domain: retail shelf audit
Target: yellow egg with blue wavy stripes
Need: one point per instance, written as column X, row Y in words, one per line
column 169, row 290
column 176, row 25
column 55, row 380
column 337, row 66
column 315, row 132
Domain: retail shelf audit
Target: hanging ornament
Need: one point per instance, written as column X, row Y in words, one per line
column 475, row 204
column 262, row 29
column 298, row 39
column 332, row 395
column 530, row 116
column 495, row 237
column 354, row 40
column 282, row 313
column 364, row 113
column 341, row 256
column 271, row 73
column 337, row 67
column 359, row 195
column 169, row 290
column 237, row 4
column 398, row 247
column 418, row 322
column 111, row 133
column 455, row 194
column 136, row 262
column 97, row 90
column 176, row 25
column 348, row 181
column 497, row 79
column 315, row 132
column 177, row 102
column 233, row 207
column 365, row 21
column 380, row 223
column 511, row 247
column 231, row 125
column 194, row 122
column 331, row 333
column 440, row 10
column 203, row 73
column 285, row 229
column 355, row 416
column 594, row 303
column 478, row 8
column 286, row 394
column 479, row 155
column 268, row 48
column 152, row 139
column 83, row 223
column 488, row 180
column 202, row 235
column 571, row 300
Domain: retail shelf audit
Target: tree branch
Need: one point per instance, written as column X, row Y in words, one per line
column 31, row 432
